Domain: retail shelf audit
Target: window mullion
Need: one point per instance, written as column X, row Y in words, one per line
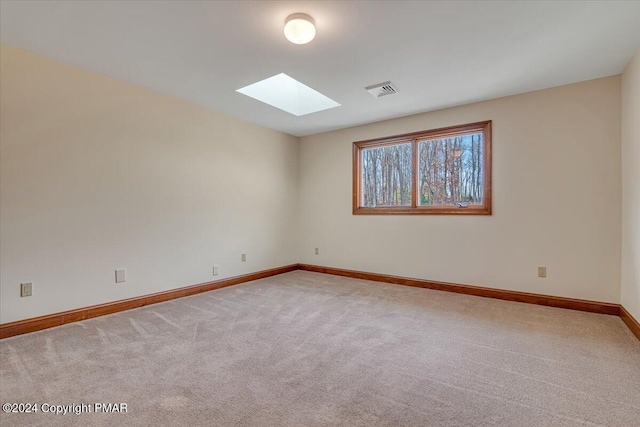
column 414, row 173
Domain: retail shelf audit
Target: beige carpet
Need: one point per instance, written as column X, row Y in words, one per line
column 307, row 349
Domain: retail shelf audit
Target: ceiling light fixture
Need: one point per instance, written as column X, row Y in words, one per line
column 299, row 28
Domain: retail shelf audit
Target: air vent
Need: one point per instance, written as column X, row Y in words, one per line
column 382, row 89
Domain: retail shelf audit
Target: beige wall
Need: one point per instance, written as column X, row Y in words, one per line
column 557, row 197
column 97, row 174
column 630, row 296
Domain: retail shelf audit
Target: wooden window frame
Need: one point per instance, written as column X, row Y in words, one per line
column 414, row 138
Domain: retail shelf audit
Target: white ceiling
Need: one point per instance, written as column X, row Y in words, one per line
column 439, row 54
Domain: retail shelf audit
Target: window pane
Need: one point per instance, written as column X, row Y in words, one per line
column 386, row 176
column 450, row 171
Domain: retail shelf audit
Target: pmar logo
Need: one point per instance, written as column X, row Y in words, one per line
column 110, row 407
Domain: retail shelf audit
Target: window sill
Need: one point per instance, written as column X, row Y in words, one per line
column 444, row 210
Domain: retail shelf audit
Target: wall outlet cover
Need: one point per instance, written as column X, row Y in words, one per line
column 121, row 276
column 26, row 289
column 542, row 271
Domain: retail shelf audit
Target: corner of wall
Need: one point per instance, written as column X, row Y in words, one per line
column 630, row 212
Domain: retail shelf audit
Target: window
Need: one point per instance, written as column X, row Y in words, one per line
column 440, row 171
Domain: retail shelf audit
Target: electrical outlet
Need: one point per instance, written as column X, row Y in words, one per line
column 121, row 276
column 26, row 289
column 317, row 251
column 542, row 271
column 244, row 257
column 215, row 270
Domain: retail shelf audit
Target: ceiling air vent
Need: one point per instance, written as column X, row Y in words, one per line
column 382, row 89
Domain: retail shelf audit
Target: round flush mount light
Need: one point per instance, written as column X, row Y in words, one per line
column 299, row 28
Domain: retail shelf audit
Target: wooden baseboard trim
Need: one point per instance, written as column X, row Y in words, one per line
column 630, row 321
column 529, row 298
column 57, row 319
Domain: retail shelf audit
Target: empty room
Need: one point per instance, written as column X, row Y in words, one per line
column 320, row 213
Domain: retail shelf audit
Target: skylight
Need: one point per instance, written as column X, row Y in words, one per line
column 288, row 94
